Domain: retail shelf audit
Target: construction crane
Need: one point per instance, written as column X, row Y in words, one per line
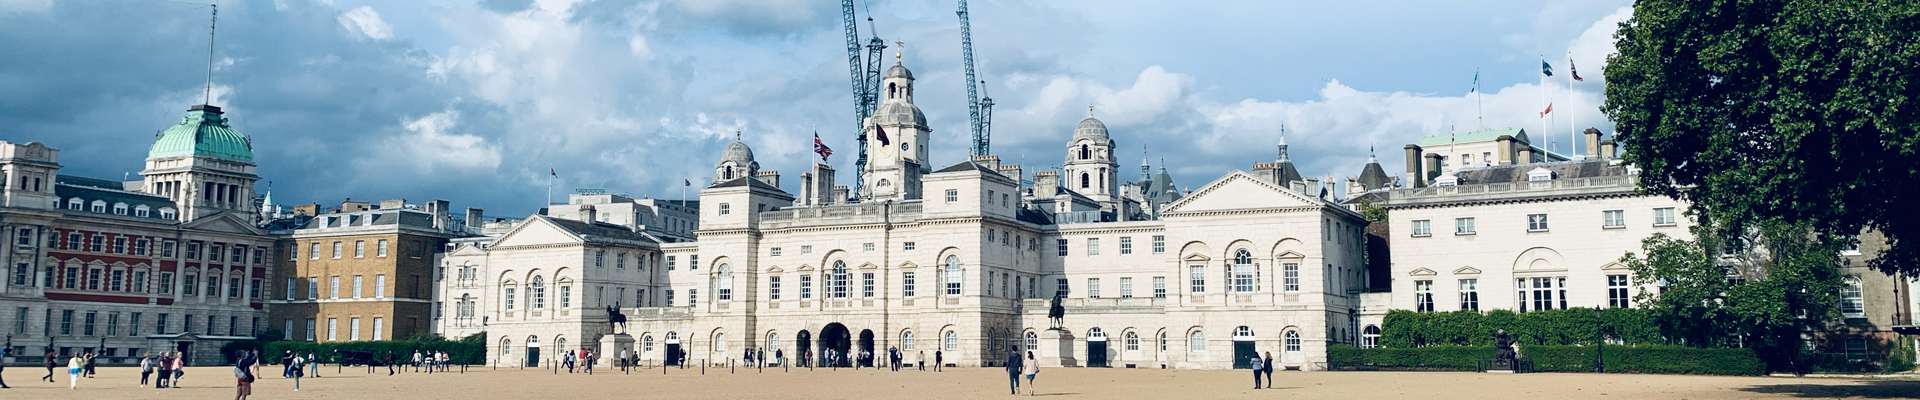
column 979, row 110
column 865, row 72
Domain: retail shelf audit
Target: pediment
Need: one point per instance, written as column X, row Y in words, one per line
column 775, row 270
column 1196, row 257
column 223, row 222
column 469, row 249
column 1466, row 271
column 1422, row 272
column 1614, row 266
column 1240, row 191
column 1290, row 254
column 537, row 231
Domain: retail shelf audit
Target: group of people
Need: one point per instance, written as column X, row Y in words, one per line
column 432, row 361
column 583, row 357
column 1017, row 366
column 758, row 358
column 1262, row 366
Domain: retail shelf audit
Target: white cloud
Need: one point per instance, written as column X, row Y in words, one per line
column 25, row 5
column 433, row 146
column 366, row 21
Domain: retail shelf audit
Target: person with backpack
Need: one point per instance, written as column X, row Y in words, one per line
column 244, row 370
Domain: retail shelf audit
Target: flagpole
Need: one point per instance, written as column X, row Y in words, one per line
column 1572, row 127
column 1544, row 103
column 1478, row 110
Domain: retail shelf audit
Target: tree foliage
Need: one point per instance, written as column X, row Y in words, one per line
column 1799, row 111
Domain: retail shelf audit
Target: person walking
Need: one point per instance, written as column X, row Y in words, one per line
column 313, row 363
column 780, row 356
column 939, row 359
column 1267, row 366
column 1014, row 368
column 146, row 368
column 1030, row 367
column 165, row 372
column 391, row 360
column 921, row 361
column 4, row 353
column 893, row 358
column 74, row 365
column 88, row 366
column 1256, row 371
column 50, row 365
column 178, row 366
column 298, row 363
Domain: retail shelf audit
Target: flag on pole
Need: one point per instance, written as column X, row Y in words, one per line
column 1546, row 68
column 1476, row 82
column 881, row 134
column 1543, row 113
column 554, row 174
column 1571, row 69
column 686, row 182
column 821, row 148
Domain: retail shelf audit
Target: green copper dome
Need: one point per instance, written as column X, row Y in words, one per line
column 203, row 133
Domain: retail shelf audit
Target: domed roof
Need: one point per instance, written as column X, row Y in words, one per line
column 899, row 113
column 204, row 132
column 899, row 71
column 1090, row 128
column 738, row 153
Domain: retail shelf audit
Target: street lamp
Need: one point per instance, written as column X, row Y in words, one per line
column 1599, row 345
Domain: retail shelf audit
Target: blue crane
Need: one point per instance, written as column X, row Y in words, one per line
column 865, row 72
column 979, row 110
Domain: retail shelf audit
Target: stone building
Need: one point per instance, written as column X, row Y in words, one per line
column 362, row 275
column 172, row 262
column 961, row 260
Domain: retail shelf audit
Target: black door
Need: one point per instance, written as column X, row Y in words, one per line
column 533, row 356
column 673, row 354
column 1243, row 354
column 1097, row 354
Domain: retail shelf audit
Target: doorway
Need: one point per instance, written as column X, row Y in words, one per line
column 1096, row 348
column 533, row 351
column 673, row 349
column 866, row 347
column 835, row 339
column 802, row 344
column 1244, row 352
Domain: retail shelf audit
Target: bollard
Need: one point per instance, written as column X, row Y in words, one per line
column 703, row 366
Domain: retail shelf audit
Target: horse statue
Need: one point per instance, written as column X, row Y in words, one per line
column 1057, row 314
column 616, row 319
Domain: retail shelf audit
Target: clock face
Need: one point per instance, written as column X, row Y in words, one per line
column 885, row 150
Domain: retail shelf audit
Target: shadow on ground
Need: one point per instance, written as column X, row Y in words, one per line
column 1864, row 389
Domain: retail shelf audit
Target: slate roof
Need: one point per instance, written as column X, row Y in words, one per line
column 600, row 232
column 89, row 189
column 1518, row 172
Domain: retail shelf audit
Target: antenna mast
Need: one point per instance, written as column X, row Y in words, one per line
column 213, row 24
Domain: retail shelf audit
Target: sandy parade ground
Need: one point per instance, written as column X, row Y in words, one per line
column 955, row 383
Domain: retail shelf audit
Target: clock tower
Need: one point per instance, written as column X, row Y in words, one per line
column 896, row 141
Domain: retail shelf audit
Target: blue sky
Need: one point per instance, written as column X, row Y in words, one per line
column 474, row 101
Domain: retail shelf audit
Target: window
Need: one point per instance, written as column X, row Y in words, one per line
column 24, row 238
column 1422, row 227
column 726, row 208
column 88, row 331
column 1293, row 341
column 954, row 278
column 537, row 294
column 1159, row 244
column 774, row 252
column 953, row 195
column 906, row 341
column 189, row 284
column 722, row 282
column 1463, row 226
column 806, row 249
column 120, row 245
column 1093, row 288
column 1159, row 287
column 356, row 286
column 333, row 287
column 259, row 253
column 116, row 280
column 336, row 250
column 377, row 322
column 1663, row 216
column 908, row 246
column 669, row 297
column 313, row 250
column 1856, row 349
column 1197, row 342
column 1126, row 287
column 868, row 246
column 1093, row 246
column 380, row 248
column 1851, row 304
column 75, row 204
column 566, row 296
column 1126, row 245
column 1033, row 341
column 600, row 258
column 313, row 288
column 93, row 279
column 671, row 261
column 253, row 290
column 1423, row 296
column 166, row 282
column 1617, row 294
column 693, row 262
column 866, row 285
column 333, row 329
column 1060, row 287
column 1370, row 337
column 1290, row 276
column 1470, row 294
column 380, row 286
column 693, row 297
column 1536, row 222
column 1063, row 247
column 1197, row 274
column 806, row 287
column 1538, row 292
column 353, row 328
column 66, row 322
column 359, row 249
column 509, row 300
column 1614, row 218
column 906, row 284
column 773, row 289
column 99, row 206
column 96, row 243
column 837, row 280
column 1243, row 271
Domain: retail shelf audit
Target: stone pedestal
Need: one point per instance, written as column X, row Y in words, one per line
column 610, row 347
column 1056, row 349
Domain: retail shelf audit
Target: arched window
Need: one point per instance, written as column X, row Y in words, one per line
column 1033, row 341
column 673, row 336
column 1197, row 342
column 646, row 344
column 727, row 173
column 1243, row 271
column 560, row 344
column 892, row 90
column 506, row 348
column 1133, row 341
column 1163, row 341
column 953, row 341
column 720, row 343
column 1293, row 340
column 954, row 277
column 537, row 294
column 837, row 280
column 906, row 341
column 1242, row 332
column 466, row 306
column 1084, row 153
column 1086, row 181
column 723, row 282
column 1096, row 333
column 1851, row 305
column 1370, row 337
column 773, row 341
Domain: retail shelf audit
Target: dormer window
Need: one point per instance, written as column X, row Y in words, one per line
column 99, row 207
column 141, row 211
column 119, row 208
column 167, row 212
column 1446, row 180
column 75, row 204
column 1539, row 175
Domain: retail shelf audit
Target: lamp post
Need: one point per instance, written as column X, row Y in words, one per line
column 1600, row 343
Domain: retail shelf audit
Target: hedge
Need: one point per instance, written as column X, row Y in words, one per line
column 460, row 352
column 1409, row 329
column 1457, row 358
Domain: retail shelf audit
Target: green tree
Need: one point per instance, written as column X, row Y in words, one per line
column 1801, row 111
column 1373, row 213
column 1747, row 290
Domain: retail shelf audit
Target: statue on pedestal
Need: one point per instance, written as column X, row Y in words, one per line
column 1058, row 313
column 616, row 319
column 1504, row 358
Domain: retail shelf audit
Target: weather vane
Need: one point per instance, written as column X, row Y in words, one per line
column 896, row 53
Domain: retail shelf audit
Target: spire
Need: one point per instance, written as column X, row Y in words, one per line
column 1370, row 157
column 1283, row 143
column 1089, row 110
column 736, row 135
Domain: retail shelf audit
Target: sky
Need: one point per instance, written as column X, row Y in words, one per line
column 482, row 102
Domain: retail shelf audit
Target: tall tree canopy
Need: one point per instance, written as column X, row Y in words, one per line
column 1797, row 111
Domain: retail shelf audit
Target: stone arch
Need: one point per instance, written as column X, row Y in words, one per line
column 1194, row 249
column 1539, row 258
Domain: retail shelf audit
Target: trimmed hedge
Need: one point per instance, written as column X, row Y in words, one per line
column 461, row 352
column 1457, row 358
column 1409, row 329
column 1646, row 359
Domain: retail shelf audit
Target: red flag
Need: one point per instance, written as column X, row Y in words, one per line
column 1543, row 114
column 1574, row 70
column 821, row 148
column 881, row 134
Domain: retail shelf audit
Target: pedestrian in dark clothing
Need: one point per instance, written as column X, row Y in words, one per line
column 164, row 366
column 50, row 365
column 4, row 353
column 1267, row 366
column 1014, row 365
column 939, row 359
column 893, row 358
column 1256, row 372
column 89, row 364
column 390, row 361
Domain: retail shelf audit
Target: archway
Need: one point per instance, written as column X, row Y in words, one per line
column 835, row 342
column 533, row 351
column 802, row 346
column 673, row 349
column 1243, row 348
column 866, row 347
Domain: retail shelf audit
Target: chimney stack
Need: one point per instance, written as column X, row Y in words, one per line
column 442, row 218
column 474, row 219
column 1503, row 150
column 1413, row 167
column 1593, row 142
column 1607, row 150
column 1526, row 155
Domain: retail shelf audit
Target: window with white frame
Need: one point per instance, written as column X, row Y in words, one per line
column 1423, row 296
column 1470, row 294
column 1617, row 293
column 866, row 285
column 953, row 195
column 954, row 276
column 1537, row 293
column 359, row 249
column 1197, row 277
column 1851, row 303
column 1370, row 337
column 952, row 342
column 837, row 280
column 1613, row 218
column 1093, row 288
column 1290, row 275
column 1126, row 245
column 1093, row 246
column 1159, row 287
column 1422, row 227
column 1133, row 341
column 907, row 284
column 1126, row 287
column 1663, row 216
column 1062, row 244
column 1536, row 222
column 1463, row 226
column 773, row 288
column 1243, row 271
column 1293, row 341
column 1197, row 342
column 722, row 283
column 806, row 287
